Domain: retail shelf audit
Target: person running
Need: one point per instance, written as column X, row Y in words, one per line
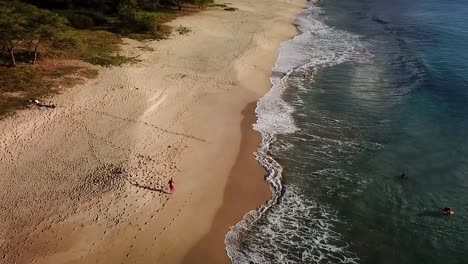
column 171, row 185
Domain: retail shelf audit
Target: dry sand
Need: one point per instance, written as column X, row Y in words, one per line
column 86, row 182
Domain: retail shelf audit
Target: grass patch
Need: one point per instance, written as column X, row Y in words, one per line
column 96, row 44
column 164, row 17
column 231, row 9
column 85, row 19
column 107, row 60
column 24, row 82
column 100, row 48
column 21, row 83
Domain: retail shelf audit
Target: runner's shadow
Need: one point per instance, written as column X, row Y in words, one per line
column 149, row 188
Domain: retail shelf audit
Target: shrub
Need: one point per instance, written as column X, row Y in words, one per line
column 85, row 19
column 135, row 21
column 147, row 22
column 109, row 60
column 67, row 41
column 80, row 21
column 99, row 18
column 183, row 30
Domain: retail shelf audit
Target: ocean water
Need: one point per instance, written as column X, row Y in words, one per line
column 368, row 89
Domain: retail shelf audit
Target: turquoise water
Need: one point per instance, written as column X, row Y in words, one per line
column 369, row 90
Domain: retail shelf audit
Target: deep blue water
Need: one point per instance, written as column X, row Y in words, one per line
column 377, row 88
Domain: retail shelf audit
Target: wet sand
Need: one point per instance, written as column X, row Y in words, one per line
column 245, row 188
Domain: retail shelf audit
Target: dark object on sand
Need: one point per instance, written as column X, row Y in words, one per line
column 403, row 176
column 448, row 211
column 40, row 104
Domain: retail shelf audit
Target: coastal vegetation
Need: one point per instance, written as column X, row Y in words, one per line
column 35, row 33
column 183, row 30
column 230, row 9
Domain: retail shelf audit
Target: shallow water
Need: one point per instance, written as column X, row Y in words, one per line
column 369, row 90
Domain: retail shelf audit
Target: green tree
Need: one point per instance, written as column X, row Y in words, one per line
column 24, row 23
column 135, row 20
column 127, row 10
column 13, row 27
column 128, row 6
column 44, row 25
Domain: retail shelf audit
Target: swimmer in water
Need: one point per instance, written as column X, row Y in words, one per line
column 448, row 211
column 403, row 176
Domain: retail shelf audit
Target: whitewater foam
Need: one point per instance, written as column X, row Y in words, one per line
column 297, row 224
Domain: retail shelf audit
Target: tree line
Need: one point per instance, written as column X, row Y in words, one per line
column 112, row 5
column 29, row 23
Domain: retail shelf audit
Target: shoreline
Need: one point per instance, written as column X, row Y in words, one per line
column 255, row 191
column 87, row 181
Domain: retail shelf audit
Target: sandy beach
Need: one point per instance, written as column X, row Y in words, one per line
column 86, row 182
